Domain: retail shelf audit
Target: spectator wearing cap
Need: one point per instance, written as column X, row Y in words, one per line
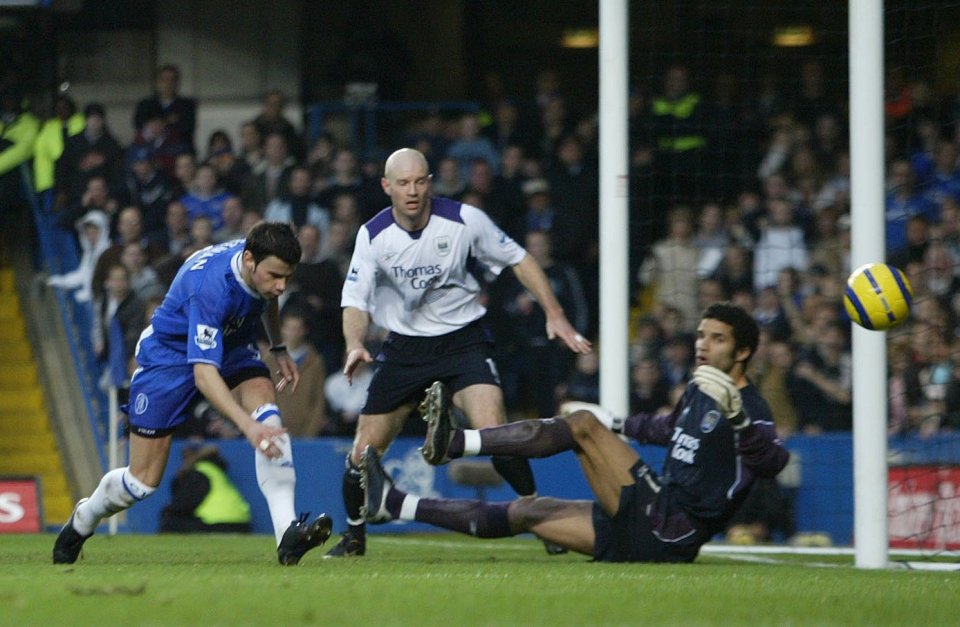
column 93, row 152
column 175, row 112
column 540, row 213
column 231, row 170
column 65, row 123
column 148, row 187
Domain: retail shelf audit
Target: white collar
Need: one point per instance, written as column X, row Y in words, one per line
column 235, row 266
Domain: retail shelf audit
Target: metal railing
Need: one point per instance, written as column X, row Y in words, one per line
column 58, row 253
column 365, row 118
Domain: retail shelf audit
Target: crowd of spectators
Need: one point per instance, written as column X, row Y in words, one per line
column 739, row 196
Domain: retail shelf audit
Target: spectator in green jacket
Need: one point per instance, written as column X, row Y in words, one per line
column 66, row 122
column 18, row 132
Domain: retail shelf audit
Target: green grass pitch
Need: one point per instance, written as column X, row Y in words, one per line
column 444, row 579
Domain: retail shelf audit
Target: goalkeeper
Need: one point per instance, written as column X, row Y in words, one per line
column 720, row 437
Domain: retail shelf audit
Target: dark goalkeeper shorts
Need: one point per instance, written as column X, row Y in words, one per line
column 643, row 529
column 407, row 365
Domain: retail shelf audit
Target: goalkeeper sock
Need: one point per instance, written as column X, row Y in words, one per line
column 527, row 438
column 472, row 517
column 117, row 491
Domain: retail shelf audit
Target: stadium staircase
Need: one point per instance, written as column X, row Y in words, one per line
column 27, row 443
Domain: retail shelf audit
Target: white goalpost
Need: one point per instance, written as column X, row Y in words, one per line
column 614, row 193
column 866, row 76
column 868, row 243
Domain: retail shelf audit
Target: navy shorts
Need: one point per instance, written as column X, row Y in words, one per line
column 161, row 395
column 644, row 529
column 407, row 365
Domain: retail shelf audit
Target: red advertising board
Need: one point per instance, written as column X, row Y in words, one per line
column 20, row 505
column 924, row 507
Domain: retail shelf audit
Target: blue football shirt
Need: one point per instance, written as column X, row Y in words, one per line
column 207, row 312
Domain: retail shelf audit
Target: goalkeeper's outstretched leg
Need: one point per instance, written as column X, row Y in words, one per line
column 719, row 438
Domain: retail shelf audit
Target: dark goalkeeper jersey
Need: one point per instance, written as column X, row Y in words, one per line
column 709, row 466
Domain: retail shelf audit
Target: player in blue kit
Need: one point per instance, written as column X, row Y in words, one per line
column 201, row 340
column 415, row 272
column 720, row 437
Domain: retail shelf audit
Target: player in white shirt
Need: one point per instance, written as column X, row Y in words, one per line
column 415, row 272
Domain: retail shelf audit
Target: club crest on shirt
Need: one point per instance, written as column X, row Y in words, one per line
column 710, row 421
column 206, row 337
column 442, row 245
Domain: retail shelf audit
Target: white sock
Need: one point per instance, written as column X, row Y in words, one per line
column 614, row 423
column 408, row 509
column 471, row 442
column 118, row 490
column 277, row 478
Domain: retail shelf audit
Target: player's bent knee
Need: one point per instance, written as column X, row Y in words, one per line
column 526, row 513
column 583, row 424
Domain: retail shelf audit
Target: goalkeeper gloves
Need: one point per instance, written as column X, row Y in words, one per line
column 719, row 386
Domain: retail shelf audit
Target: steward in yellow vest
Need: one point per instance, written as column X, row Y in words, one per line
column 677, row 127
column 18, row 130
column 66, row 122
column 203, row 497
column 677, row 116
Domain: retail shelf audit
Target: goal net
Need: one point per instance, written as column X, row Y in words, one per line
column 741, row 185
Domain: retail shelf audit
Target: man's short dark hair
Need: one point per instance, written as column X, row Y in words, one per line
column 168, row 67
column 273, row 238
column 746, row 333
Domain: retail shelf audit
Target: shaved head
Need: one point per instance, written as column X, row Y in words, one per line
column 406, row 180
column 405, row 159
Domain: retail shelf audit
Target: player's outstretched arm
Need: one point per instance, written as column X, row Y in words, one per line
column 531, row 276
column 355, row 325
column 215, row 390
